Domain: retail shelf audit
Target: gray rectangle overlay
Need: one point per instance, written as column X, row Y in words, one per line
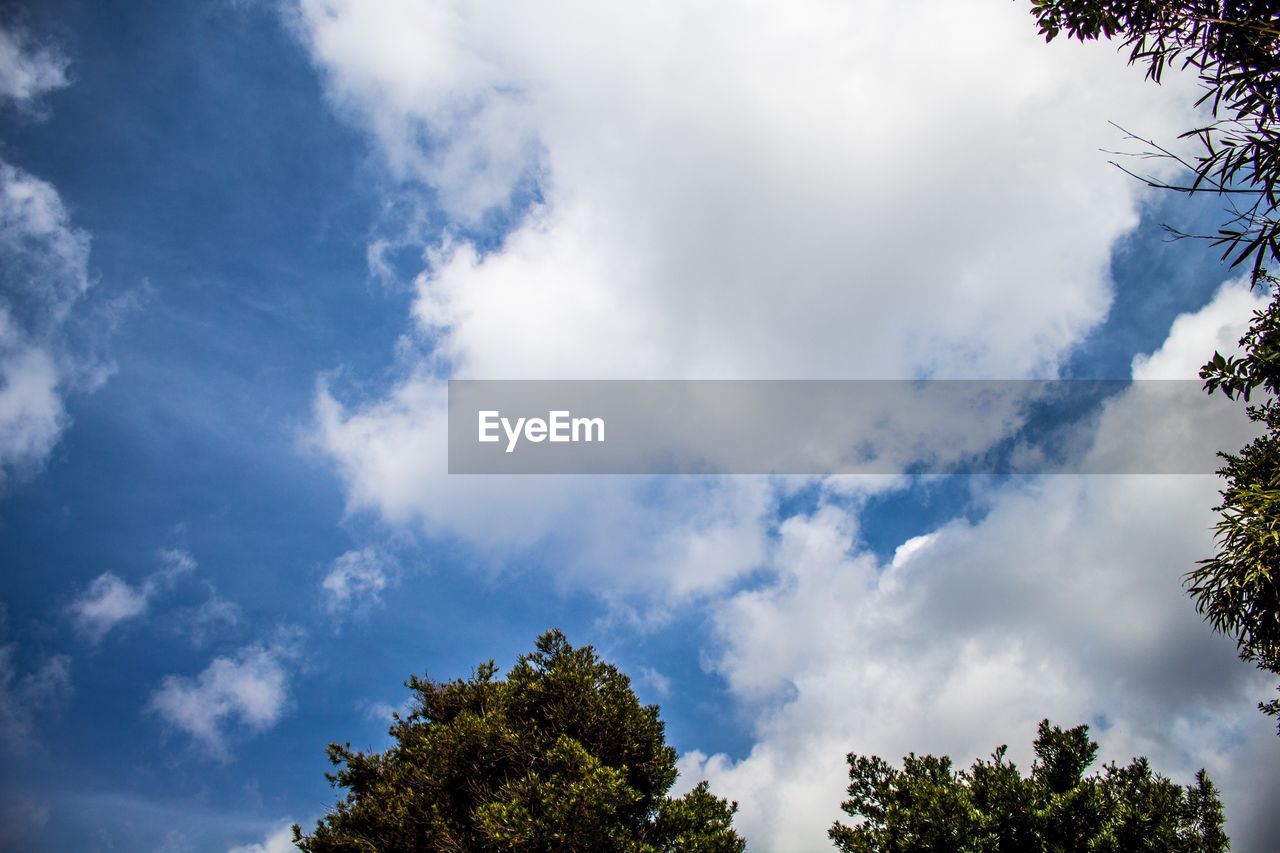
column 817, row 427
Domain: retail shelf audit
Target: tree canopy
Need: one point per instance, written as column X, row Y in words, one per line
column 1234, row 48
column 992, row 808
column 560, row 755
column 1238, row 590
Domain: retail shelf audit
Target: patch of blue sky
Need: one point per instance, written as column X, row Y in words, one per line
column 226, row 202
column 1156, row 278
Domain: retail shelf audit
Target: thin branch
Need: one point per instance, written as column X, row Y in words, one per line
column 1156, row 184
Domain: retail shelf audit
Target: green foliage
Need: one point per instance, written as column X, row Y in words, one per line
column 1234, row 47
column 560, row 756
column 991, row 808
column 1238, row 589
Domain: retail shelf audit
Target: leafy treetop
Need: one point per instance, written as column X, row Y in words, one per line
column 559, row 756
column 991, row 808
column 1234, row 48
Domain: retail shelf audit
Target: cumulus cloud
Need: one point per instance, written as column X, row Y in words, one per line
column 109, row 600
column 802, row 190
column 1195, row 336
column 28, row 70
column 279, row 840
column 247, row 690
column 742, row 194
column 355, row 581
column 685, row 537
column 1064, row 601
column 793, row 191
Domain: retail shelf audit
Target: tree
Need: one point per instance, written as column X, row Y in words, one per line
column 992, row 808
column 559, row 756
column 1238, row 590
column 1234, row 48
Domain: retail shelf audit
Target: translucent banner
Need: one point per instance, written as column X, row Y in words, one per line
column 840, row 427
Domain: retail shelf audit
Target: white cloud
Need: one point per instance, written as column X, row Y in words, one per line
column 279, row 840
column 685, row 536
column 656, row 681
column 45, row 275
column 28, row 71
column 109, row 600
column 1198, row 426
column 380, row 712
column 48, row 257
column 211, row 617
column 439, row 96
column 356, row 580
column 105, row 603
column 176, row 562
column 249, row 689
column 735, row 192
column 175, row 841
column 1194, row 337
column 31, row 411
column 1065, row 601
column 24, row 697
column 801, row 190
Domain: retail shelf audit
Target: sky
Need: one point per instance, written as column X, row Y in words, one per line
column 245, row 243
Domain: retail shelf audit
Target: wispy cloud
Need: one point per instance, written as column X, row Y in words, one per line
column 212, row 617
column 380, row 712
column 279, row 840
column 44, row 276
column 45, row 273
column 28, row 70
column 21, row 817
column 48, row 256
column 31, row 410
column 656, row 681
column 247, row 691
column 109, row 600
column 355, row 581
column 24, row 697
column 105, row 603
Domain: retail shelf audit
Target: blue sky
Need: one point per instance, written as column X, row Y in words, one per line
column 244, row 242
